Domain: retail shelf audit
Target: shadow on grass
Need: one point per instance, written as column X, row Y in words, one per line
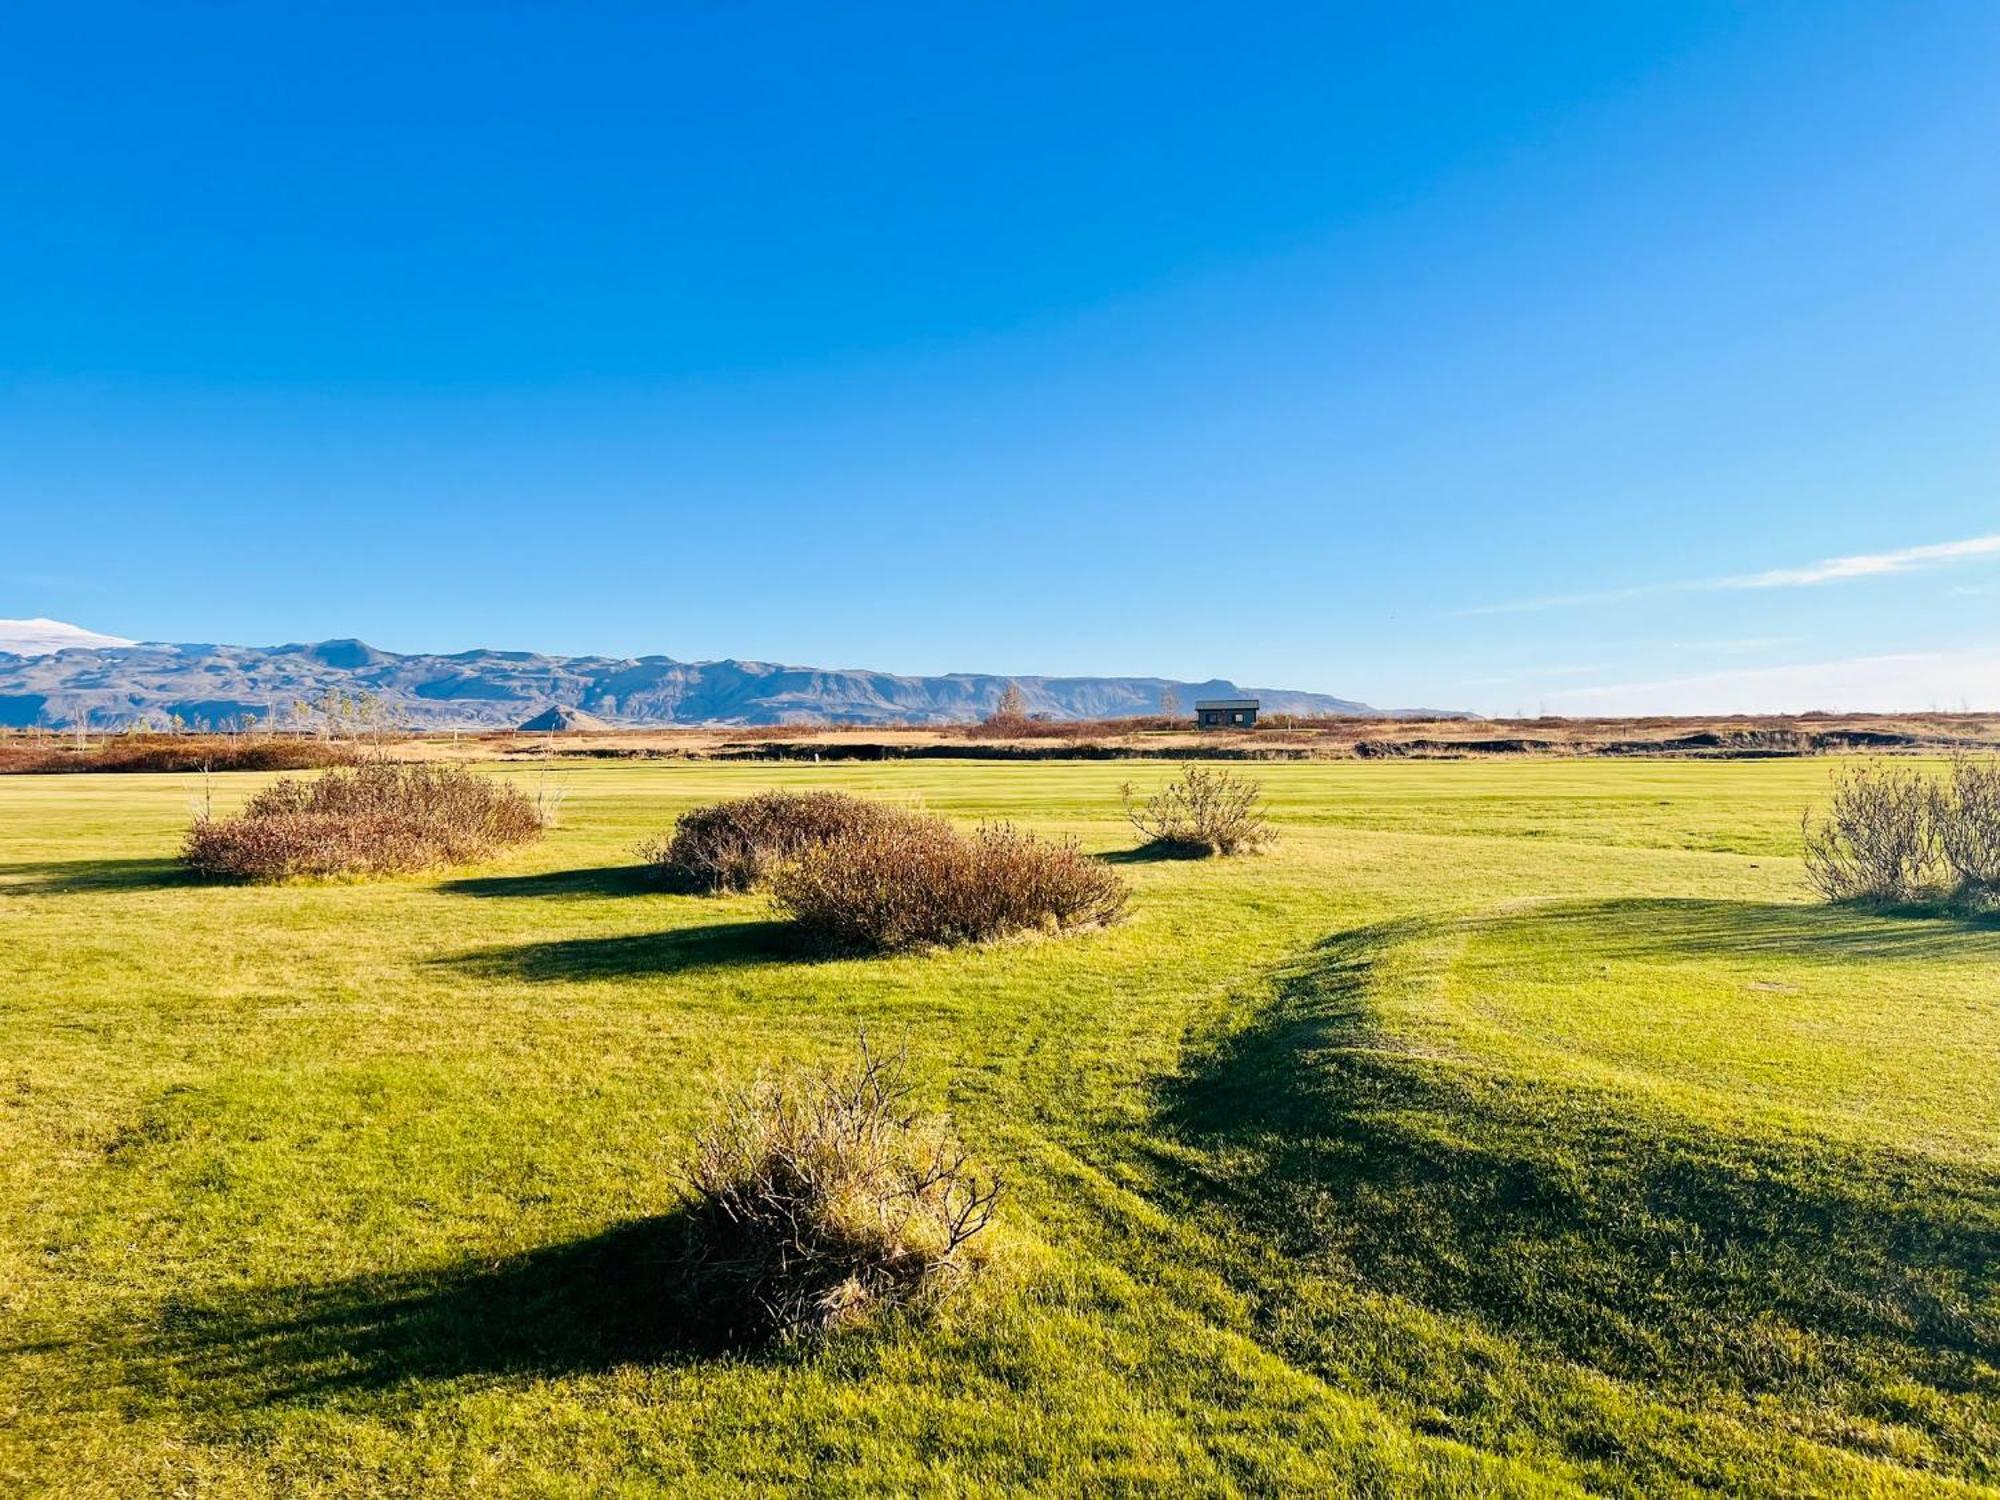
column 718, row 946
column 1159, row 852
column 59, row 877
column 616, row 1298
column 1635, row 1243
column 1830, row 933
column 552, row 885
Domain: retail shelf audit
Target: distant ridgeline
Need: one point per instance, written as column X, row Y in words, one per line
column 221, row 685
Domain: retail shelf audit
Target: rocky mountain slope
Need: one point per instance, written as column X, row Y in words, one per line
column 118, row 684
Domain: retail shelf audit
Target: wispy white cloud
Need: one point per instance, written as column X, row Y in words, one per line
column 1907, row 682
column 1828, row 570
column 1748, row 645
column 1564, row 601
column 1867, row 565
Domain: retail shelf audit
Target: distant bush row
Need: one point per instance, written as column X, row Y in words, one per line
column 1900, row 835
column 850, row 873
column 383, row 818
column 183, row 753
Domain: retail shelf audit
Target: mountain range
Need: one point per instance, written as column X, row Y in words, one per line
column 55, row 674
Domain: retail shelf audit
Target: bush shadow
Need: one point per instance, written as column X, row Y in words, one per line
column 616, row 1298
column 721, row 945
column 554, row 885
column 1660, row 928
column 1628, row 1241
column 1162, row 851
column 59, row 877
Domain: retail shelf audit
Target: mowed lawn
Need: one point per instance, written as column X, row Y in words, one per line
column 1509, row 1128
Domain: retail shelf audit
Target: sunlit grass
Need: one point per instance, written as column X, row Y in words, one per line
column 1507, row 1127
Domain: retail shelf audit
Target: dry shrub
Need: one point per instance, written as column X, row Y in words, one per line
column 1966, row 812
column 913, row 881
column 180, row 753
column 379, row 819
column 735, row 845
column 1878, row 840
column 821, row 1197
column 1201, row 812
column 1064, row 729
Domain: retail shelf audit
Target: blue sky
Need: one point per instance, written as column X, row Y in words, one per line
column 1506, row 357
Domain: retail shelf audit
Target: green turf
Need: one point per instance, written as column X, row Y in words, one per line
column 1509, row 1128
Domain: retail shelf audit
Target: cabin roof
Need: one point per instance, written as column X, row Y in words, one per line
column 1225, row 703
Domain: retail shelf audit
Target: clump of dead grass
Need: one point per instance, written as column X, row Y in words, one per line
column 821, row 1197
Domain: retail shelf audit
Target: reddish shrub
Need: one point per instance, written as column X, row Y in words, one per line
column 912, row 882
column 178, row 752
column 735, row 845
column 382, row 818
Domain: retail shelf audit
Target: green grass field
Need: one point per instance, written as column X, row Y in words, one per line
column 1510, row 1128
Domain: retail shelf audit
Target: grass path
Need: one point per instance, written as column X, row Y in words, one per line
column 1512, row 1128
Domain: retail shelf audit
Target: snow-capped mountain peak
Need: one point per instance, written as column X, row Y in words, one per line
column 46, row 637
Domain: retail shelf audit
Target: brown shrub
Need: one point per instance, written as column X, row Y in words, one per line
column 1965, row 810
column 735, row 845
column 1878, row 840
column 1201, row 812
column 913, row 881
column 179, row 753
column 1062, row 729
column 380, row 819
column 821, row 1197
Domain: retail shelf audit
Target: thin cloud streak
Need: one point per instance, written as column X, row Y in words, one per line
column 1830, row 570
column 1908, row 682
column 1869, row 565
column 1741, row 646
